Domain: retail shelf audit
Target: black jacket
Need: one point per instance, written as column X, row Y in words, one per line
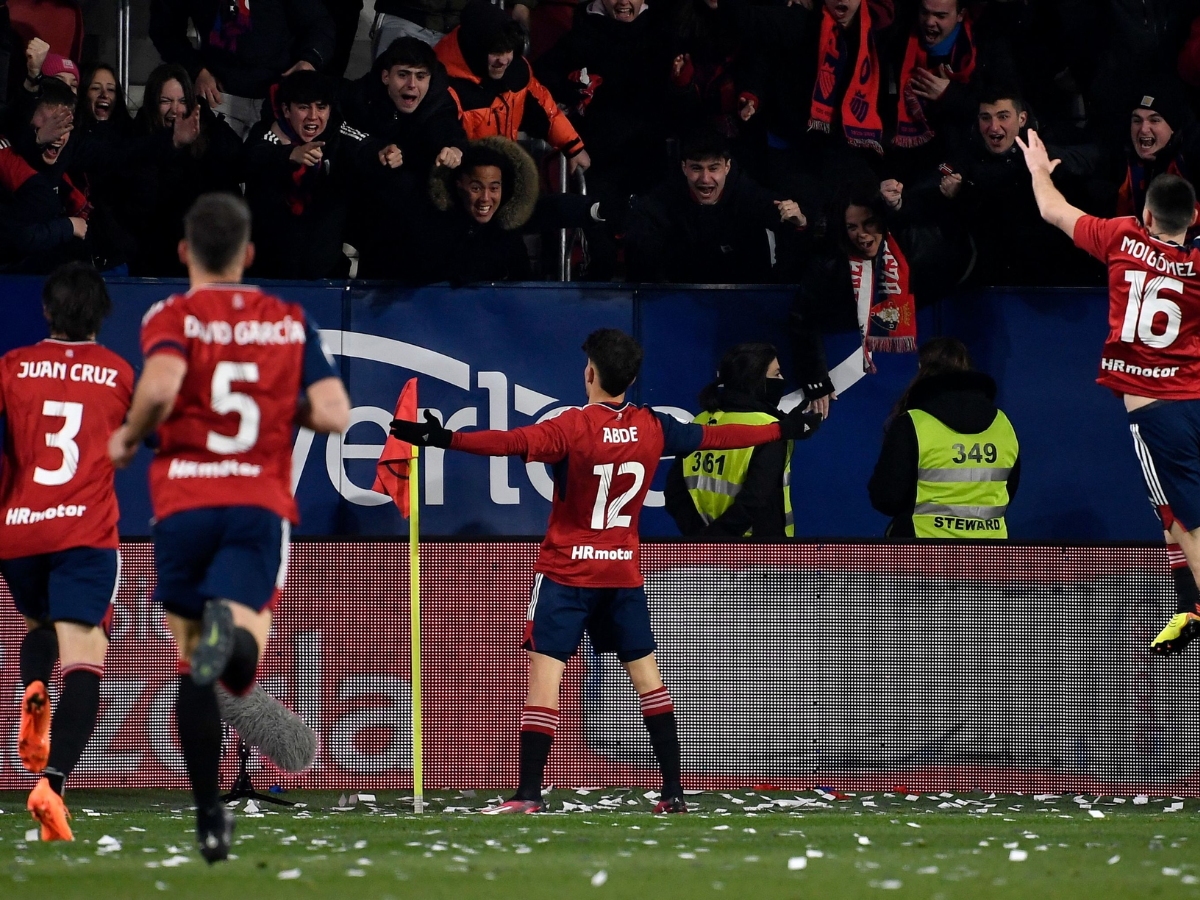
column 421, row 134
column 451, row 246
column 825, row 301
column 671, row 237
column 280, row 34
column 759, row 504
column 963, row 401
column 628, row 64
column 151, row 201
column 996, row 205
column 300, row 218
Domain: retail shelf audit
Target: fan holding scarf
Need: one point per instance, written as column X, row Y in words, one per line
column 868, row 280
column 939, row 57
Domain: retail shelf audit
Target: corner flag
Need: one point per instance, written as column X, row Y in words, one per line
column 395, row 463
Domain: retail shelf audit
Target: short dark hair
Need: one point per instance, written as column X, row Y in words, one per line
column 995, row 93
column 54, row 93
column 510, row 37
column 704, row 144
column 216, row 228
column 616, row 357
column 407, row 51
column 1172, row 199
column 76, row 301
column 307, row 86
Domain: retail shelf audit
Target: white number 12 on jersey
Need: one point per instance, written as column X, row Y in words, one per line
column 1145, row 303
column 608, row 515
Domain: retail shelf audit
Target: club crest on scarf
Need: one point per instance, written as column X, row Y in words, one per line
column 888, row 310
column 861, row 124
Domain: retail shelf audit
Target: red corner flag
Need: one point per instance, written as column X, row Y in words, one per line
column 391, row 472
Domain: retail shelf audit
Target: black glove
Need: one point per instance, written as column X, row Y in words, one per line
column 429, row 433
column 799, row 425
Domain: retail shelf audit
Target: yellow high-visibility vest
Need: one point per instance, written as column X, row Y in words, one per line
column 714, row 478
column 962, row 479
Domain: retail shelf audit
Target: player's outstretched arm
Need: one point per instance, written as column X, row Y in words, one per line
column 795, row 426
column 544, row 442
column 325, row 407
column 152, row 402
column 1051, row 203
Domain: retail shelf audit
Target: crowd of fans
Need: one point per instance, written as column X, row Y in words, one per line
column 830, row 144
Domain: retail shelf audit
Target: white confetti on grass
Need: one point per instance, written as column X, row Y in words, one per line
column 1095, row 814
column 33, row 834
column 796, row 863
column 891, row 884
column 599, row 878
column 1113, row 860
column 1141, row 800
column 289, row 875
column 687, row 855
column 864, row 840
column 814, row 854
column 1018, row 855
column 928, row 870
column 1171, row 873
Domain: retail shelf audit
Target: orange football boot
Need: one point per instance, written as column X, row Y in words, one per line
column 33, row 742
column 49, row 809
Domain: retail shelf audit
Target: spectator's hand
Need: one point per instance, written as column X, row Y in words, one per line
column 429, row 433
column 307, row 154
column 677, row 66
column 79, row 227
column 520, row 13
column 451, row 157
column 35, row 55
column 807, row 4
column 186, row 128
column 119, row 449
column 51, row 123
column 301, row 66
column 799, row 425
column 580, row 161
column 950, row 185
column 1037, row 158
column 209, row 88
column 746, row 109
column 930, row 85
column 820, row 406
column 892, row 192
column 391, row 157
column 790, row 214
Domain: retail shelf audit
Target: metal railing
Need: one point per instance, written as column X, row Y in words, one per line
column 568, row 236
column 124, row 41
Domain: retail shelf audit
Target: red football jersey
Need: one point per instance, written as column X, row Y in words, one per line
column 604, row 459
column 1153, row 345
column 62, row 399
column 228, row 440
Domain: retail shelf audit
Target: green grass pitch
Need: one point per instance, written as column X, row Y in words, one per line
column 740, row 844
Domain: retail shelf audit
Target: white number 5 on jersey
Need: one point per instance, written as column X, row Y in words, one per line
column 225, row 400
column 64, row 440
column 1145, row 303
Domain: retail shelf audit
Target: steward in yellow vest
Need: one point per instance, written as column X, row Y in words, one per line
column 736, row 493
column 950, row 462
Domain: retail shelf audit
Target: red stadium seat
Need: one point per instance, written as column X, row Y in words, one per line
column 57, row 22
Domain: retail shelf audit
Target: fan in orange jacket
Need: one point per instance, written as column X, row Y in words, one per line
column 491, row 83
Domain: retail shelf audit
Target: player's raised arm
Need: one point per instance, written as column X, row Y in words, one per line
column 1051, row 203
column 153, row 400
column 680, row 437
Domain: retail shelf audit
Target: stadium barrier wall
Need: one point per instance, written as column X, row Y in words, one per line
column 853, row 666
column 503, row 356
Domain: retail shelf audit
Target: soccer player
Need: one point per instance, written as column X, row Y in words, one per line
column 229, row 369
column 58, row 535
column 588, row 576
column 1152, row 355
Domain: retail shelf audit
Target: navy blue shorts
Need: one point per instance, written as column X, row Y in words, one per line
column 75, row 585
column 236, row 553
column 1166, row 438
column 616, row 619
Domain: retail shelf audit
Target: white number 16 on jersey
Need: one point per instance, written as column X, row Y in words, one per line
column 1145, row 303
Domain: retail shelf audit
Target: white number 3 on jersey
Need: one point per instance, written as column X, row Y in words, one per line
column 64, row 440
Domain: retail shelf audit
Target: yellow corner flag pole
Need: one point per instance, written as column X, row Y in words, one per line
column 414, row 568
